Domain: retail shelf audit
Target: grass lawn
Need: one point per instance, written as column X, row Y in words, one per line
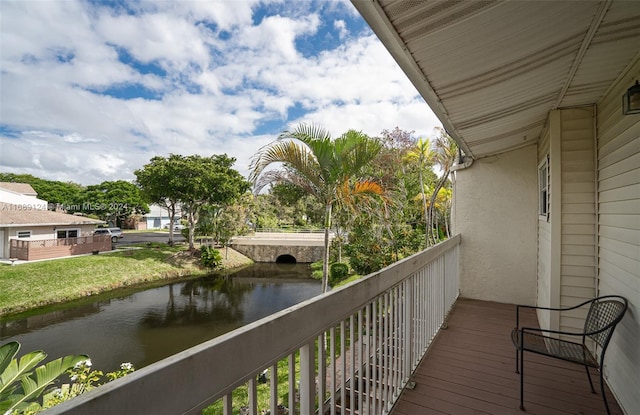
column 31, row 285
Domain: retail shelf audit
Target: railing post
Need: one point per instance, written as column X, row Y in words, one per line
column 408, row 328
column 307, row 379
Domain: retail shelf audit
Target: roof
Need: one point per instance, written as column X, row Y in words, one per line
column 22, row 188
column 19, row 215
column 492, row 70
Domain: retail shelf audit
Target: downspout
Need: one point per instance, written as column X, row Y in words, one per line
column 464, row 162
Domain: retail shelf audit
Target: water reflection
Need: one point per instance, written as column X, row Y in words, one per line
column 149, row 325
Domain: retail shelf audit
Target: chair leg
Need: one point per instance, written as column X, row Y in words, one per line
column 590, row 382
column 521, row 380
column 604, row 396
column 517, row 360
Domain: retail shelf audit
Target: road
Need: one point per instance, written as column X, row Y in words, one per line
column 151, row 236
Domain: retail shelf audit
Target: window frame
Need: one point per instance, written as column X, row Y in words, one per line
column 76, row 230
column 544, row 189
column 28, row 236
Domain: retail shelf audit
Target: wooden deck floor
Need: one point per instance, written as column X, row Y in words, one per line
column 470, row 369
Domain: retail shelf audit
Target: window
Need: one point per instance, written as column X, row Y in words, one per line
column 543, row 188
column 66, row 233
column 23, row 234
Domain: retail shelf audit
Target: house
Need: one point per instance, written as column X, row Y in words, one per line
column 547, row 195
column 546, row 212
column 158, row 217
column 29, row 231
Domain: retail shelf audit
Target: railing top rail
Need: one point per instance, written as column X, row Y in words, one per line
column 184, row 372
column 16, row 241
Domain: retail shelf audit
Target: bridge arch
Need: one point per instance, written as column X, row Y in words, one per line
column 286, row 259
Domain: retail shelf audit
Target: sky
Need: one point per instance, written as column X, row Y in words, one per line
column 90, row 91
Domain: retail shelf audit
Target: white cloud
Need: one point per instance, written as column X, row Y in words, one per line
column 225, row 78
column 341, row 27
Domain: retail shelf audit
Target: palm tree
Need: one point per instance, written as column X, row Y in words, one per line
column 423, row 155
column 331, row 170
column 445, row 151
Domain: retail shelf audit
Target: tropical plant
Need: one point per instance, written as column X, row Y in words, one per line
column 338, row 272
column 83, row 378
column 423, row 155
column 210, row 257
column 331, row 170
column 445, row 150
column 20, row 385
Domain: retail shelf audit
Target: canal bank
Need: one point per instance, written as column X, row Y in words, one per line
column 30, row 286
column 146, row 324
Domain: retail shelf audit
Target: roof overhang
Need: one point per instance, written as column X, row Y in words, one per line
column 492, row 70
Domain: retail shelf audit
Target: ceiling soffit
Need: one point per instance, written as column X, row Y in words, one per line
column 492, row 70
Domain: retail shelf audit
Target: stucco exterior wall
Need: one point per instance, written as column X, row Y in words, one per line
column 495, row 210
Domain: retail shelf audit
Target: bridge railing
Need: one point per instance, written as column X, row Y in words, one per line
column 351, row 350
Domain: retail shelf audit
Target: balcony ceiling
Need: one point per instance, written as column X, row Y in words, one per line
column 492, row 70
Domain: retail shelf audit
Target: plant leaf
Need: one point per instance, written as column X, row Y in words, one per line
column 7, row 353
column 16, row 370
column 44, row 375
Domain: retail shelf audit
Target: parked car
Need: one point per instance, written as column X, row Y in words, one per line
column 114, row 233
column 176, row 226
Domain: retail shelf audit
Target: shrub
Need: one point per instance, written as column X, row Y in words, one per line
column 338, row 272
column 22, row 384
column 210, row 257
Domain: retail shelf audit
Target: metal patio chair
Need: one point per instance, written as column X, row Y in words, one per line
column 603, row 316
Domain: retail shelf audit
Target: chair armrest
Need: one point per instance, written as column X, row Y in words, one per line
column 539, row 330
column 518, row 306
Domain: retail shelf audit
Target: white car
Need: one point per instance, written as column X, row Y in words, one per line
column 114, row 233
column 176, row 226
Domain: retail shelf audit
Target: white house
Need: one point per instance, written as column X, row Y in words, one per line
column 158, row 217
column 25, row 219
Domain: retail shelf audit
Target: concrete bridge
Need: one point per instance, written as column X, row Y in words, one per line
column 282, row 247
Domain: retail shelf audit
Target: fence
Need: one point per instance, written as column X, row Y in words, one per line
column 29, row 250
column 351, row 350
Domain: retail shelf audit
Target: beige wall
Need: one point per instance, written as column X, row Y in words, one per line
column 496, row 212
column 619, row 233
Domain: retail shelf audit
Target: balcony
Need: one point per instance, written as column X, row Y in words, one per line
column 353, row 351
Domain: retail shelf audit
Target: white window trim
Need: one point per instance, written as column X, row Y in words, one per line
column 67, row 230
column 544, row 189
column 24, row 237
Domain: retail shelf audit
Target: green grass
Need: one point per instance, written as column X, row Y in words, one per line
column 241, row 394
column 32, row 285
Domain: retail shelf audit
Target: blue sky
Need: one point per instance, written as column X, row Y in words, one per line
column 91, row 90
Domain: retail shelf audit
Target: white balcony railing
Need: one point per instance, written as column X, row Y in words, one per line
column 349, row 351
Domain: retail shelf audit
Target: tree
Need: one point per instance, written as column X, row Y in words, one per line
column 58, row 194
column 201, row 181
column 191, row 182
column 445, row 150
column 155, row 181
column 331, row 170
column 113, row 201
column 423, row 155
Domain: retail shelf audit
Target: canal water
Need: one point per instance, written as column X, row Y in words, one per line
column 150, row 324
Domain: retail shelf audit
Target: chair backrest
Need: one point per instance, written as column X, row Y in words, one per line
column 603, row 316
